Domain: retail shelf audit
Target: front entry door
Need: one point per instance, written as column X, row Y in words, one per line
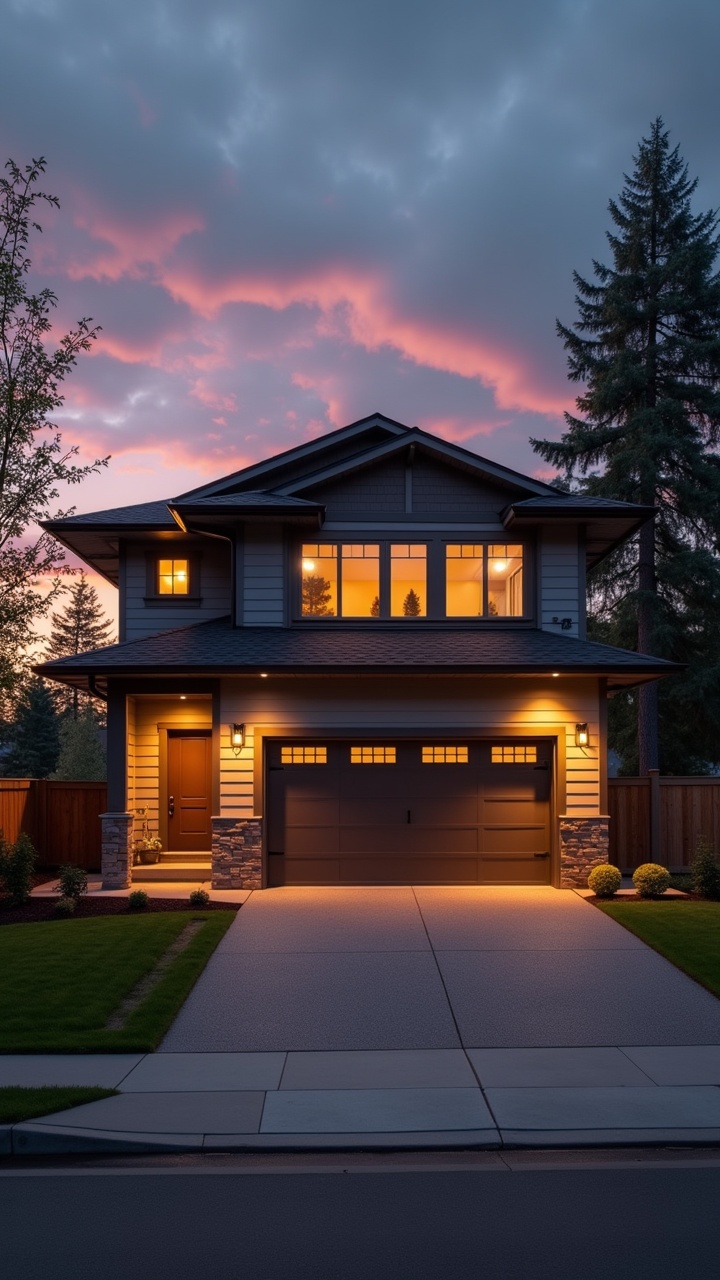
column 189, row 790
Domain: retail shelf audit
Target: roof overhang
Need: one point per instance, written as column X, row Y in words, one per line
column 603, row 529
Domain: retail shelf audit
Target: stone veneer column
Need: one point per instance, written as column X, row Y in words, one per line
column 584, row 844
column 117, row 850
column 237, row 853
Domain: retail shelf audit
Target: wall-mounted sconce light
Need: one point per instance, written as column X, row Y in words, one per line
column 582, row 736
column 237, row 736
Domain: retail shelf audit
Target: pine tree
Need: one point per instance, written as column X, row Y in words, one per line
column 82, row 756
column 375, row 608
column 35, row 734
column 316, row 597
column 411, row 605
column 647, row 347
column 80, row 627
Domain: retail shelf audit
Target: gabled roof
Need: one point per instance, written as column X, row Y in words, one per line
column 249, row 504
column 217, row 648
column 376, row 425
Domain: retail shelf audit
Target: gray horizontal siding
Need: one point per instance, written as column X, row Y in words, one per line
column 145, row 618
column 263, row 576
column 561, row 581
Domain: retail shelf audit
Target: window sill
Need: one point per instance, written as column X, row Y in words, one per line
column 172, row 602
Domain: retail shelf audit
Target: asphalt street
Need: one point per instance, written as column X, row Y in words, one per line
column 645, row 1216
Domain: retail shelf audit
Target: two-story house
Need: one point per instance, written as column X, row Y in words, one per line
column 362, row 661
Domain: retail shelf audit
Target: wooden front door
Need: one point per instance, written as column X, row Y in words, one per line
column 189, row 789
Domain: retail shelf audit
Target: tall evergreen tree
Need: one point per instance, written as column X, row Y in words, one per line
column 81, row 626
column 35, row 734
column 82, row 755
column 647, row 348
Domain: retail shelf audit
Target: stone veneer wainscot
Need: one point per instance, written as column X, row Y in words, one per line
column 237, row 853
column 584, row 844
column 117, row 850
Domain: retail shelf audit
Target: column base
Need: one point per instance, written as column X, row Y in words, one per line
column 117, row 851
column 237, row 853
column 584, row 844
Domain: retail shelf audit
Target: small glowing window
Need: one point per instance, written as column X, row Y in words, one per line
column 444, row 755
column 373, row 755
column 303, row 755
column 173, row 577
column 513, row 754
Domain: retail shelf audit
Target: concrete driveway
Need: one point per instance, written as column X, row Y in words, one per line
column 317, row 969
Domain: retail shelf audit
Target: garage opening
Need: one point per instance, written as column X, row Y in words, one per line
column 398, row 812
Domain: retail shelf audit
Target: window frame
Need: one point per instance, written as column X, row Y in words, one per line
column 435, row 544
column 191, row 598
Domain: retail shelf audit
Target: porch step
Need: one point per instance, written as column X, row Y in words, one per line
column 199, row 855
column 172, row 871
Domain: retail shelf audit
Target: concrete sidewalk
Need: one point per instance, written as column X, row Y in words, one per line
column 482, row 1098
column 399, row 1017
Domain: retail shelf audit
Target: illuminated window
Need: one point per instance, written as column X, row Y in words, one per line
column 373, row 755
column 319, row 580
column 303, row 755
column 504, row 581
column 408, row 580
column 444, row 755
column 360, row 580
column 173, row 577
column 514, row 754
column 464, row 592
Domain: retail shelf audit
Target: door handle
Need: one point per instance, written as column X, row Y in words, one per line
column 171, row 806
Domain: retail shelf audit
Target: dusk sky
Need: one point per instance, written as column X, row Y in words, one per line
column 289, row 214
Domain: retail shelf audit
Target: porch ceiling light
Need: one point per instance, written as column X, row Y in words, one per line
column 582, row 735
column 237, row 736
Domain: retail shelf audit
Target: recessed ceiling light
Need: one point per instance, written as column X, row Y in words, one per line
column 555, row 675
column 183, row 697
column 263, row 675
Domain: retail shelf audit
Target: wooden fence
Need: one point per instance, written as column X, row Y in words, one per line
column 658, row 819
column 61, row 818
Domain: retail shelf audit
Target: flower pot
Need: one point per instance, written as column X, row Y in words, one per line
column 148, row 856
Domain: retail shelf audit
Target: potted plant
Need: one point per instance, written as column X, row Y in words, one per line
column 147, row 846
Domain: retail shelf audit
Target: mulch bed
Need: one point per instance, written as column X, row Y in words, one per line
column 39, row 909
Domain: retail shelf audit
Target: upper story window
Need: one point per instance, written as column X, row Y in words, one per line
column 389, row 580
column 484, row 580
column 173, row 578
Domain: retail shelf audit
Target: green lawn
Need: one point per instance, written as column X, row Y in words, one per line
column 63, row 979
column 18, row 1104
column 687, row 933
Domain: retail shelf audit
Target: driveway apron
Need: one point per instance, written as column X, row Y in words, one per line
column 435, row 968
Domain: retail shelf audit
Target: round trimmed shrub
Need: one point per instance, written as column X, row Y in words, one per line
column 65, row 907
column 138, row 900
column 651, row 880
column 199, row 898
column 604, row 880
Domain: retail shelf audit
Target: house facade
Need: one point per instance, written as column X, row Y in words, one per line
column 363, row 661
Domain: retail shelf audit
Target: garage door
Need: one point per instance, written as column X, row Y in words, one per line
column 393, row 812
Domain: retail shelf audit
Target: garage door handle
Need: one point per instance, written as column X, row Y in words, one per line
column 541, row 855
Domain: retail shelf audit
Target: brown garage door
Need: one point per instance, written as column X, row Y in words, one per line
column 393, row 812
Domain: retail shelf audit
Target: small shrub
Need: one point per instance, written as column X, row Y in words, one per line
column 682, row 881
column 65, row 907
column 705, row 870
column 73, row 882
column 651, row 880
column 138, row 900
column 604, row 880
column 17, row 863
column 199, row 898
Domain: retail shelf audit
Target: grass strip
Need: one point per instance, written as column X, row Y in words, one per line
column 17, row 1104
column 62, row 980
column 686, row 933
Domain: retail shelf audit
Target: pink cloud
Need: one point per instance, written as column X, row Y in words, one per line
column 131, row 248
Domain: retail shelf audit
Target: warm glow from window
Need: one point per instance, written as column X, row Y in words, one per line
column 303, row 755
column 444, row 755
column 408, row 580
column 319, row 580
column 513, row 754
column 360, row 566
column 373, row 755
column 505, row 587
column 464, row 580
column 172, row 577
